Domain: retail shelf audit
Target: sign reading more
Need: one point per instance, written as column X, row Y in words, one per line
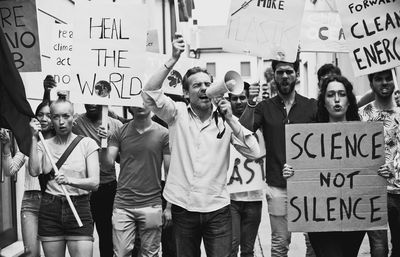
column 372, row 30
column 18, row 19
column 262, row 28
column 109, row 53
column 336, row 186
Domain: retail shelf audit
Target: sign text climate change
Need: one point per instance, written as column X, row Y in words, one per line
column 336, row 186
column 372, row 28
column 110, row 74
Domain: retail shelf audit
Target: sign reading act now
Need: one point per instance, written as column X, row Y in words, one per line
column 336, row 186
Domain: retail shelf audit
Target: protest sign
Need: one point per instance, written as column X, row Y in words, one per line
column 18, row 20
column 322, row 31
column 173, row 83
column 244, row 174
column 109, row 53
column 262, row 28
column 335, row 186
column 372, row 30
column 152, row 44
column 60, row 55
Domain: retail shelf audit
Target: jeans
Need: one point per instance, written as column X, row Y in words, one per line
column 215, row 228
column 336, row 244
column 125, row 222
column 280, row 235
column 378, row 243
column 29, row 222
column 101, row 203
column 394, row 222
column 246, row 218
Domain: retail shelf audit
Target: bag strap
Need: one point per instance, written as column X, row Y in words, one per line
column 67, row 152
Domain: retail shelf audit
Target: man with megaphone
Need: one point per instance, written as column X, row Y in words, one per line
column 200, row 143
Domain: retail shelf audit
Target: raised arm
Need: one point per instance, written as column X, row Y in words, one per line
column 156, row 80
column 247, row 118
column 35, row 157
column 11, row 165
column 48, row 84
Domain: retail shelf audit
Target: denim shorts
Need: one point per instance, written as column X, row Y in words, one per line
column 31, row 202
column 57, row 222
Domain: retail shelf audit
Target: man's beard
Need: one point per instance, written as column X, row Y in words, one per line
column 286, row 90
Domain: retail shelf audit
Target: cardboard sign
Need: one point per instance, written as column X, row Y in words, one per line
column 244, row 174
column 322, row 31
column 61, row 57
column 173, row 83
column 262, row 28
column 336, row 186
column 372, row 31
column 109, row 53
column 18, row 20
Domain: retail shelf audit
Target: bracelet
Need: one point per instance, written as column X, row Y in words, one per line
column 168, row 68
column 251, row 105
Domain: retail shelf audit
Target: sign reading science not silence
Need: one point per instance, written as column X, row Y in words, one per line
column 335, row 186
column 372, row 30
column 109, row 53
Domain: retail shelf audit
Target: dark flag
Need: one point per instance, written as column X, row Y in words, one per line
column 15, row 111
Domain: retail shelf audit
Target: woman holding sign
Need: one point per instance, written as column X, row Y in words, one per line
column 79, row 174
column 336, row 103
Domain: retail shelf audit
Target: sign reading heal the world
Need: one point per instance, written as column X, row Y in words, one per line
column 109, row 53
column 18, row 20
column 268, row 29
column 372, row 30
column 335, row 186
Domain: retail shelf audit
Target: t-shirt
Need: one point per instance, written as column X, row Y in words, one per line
column 74, row 166
column 390, row 119
column 85, row 127
column 141, row 157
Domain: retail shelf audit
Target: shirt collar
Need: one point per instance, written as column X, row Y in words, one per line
column 278, row 99
column 190, row 110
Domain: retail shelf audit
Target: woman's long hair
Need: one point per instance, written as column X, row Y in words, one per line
column 352, row 110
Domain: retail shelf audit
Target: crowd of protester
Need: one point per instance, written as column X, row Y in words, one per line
column 186, row 147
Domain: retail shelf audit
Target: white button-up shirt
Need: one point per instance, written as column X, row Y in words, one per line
column 199, row 161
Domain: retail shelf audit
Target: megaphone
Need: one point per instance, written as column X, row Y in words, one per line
column 232, row 83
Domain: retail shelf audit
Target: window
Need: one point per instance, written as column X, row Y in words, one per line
column 211, row 68
column 245, row 69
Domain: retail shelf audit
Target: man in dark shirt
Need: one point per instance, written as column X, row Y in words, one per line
column 271, row 115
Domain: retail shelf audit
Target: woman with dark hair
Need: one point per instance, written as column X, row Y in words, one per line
column 32, row 195
column 336, row 103
column 351, row 113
